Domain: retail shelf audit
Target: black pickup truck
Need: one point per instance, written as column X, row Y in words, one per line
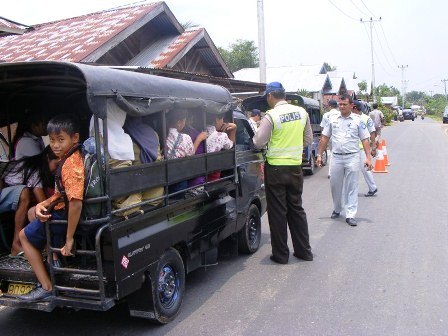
column 142, row 258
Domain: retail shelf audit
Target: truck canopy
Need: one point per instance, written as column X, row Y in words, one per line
column 49, row 85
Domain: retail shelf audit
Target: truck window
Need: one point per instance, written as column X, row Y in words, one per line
column 243, row 138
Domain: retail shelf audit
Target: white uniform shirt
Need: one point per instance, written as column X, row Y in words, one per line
column 345, row 133
column 327, row 115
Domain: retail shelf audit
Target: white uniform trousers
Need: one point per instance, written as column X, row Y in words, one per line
column 344, row 183
column 368, row 175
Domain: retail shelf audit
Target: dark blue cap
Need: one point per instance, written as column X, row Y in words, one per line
column 358, row 105
column 274, row 86
column 255, row 112
column 333, row 103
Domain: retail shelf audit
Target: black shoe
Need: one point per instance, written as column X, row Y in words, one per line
column 37, row 294
column 351, row 221
column 371, row 193
column 278, row 261
column 334, row 215
column 308, row 257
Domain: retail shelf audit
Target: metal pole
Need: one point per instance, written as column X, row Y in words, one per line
column 403, row 89
column 371, row 52
column 444, row 83
column 261, row 47
column 373, row 64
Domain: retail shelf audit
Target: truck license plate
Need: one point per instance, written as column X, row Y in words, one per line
column 19, row 288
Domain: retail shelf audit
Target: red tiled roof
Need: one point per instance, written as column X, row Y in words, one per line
column 177, row 46
column 72, row 39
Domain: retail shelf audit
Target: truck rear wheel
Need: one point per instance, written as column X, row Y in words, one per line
column 250, row 235
column 169, row 286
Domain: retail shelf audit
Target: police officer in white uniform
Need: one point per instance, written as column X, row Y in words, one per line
column 345, row 131
column 333, row 105
column 368, row 175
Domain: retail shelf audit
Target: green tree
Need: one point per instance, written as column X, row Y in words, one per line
column 189, row 24
column 328, row 67
column 362, row 86
column 240, row 54
column 304, row 93
column 435, row 105
column 415, row 97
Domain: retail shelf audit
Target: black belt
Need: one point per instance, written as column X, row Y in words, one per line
column 344, row 153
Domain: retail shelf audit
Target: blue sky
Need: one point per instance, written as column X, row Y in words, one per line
column 305, row 32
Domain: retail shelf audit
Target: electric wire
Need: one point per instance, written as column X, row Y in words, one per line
column 382, row 49
column 350, row 17
column 367, row 8
column 359, row 9
column 375, row 54
column 388, row 45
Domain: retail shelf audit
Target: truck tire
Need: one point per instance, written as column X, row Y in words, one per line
column 169, row 286
column 250, row 235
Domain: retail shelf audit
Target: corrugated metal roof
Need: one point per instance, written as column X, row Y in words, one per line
column 153, row 51
column 338, row 85
column 233, row 85
column 350, row 81
column 192, row 38
column 177, row 46
column 72, row 39
column 293, row 78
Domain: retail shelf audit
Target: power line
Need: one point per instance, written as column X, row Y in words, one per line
column 350, row 17
column 388, row 46
column 382, row 49
column 376, row 55
column 367, row 8
column 372, row 21
column 359, row 9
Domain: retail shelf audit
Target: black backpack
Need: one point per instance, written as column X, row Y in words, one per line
column 93, row 183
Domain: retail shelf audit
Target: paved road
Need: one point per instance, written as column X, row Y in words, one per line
column 388, row 276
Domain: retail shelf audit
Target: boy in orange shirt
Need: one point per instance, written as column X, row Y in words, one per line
column 63, row 131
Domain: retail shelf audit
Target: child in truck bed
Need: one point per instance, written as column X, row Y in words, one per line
column 63, row 131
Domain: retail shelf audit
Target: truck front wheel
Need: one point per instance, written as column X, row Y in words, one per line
column 250, row 235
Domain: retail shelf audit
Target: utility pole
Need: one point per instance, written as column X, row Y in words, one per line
column 261, row 48
column 444, row 83
column 371, row 21
column 403, row 83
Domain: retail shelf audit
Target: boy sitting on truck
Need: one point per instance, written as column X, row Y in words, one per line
column 63, row 131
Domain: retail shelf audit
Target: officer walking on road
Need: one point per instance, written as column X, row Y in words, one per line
column 333, row 106
column 286, row 129
column 368, row 175
column 345, row 131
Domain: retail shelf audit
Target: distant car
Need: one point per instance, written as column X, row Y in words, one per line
column 445, row 115
column 408, row 114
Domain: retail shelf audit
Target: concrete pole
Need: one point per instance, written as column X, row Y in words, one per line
column 372, row 21
column 444, row 83
column 261, row 47
column 403, row 88
column 373, row 63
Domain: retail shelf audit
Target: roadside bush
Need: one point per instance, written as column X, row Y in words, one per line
column 388, row 115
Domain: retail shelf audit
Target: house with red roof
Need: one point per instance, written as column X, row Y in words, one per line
column 143, row 37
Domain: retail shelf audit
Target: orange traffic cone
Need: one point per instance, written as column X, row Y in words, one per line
column 386, row 159
column 380, row 165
